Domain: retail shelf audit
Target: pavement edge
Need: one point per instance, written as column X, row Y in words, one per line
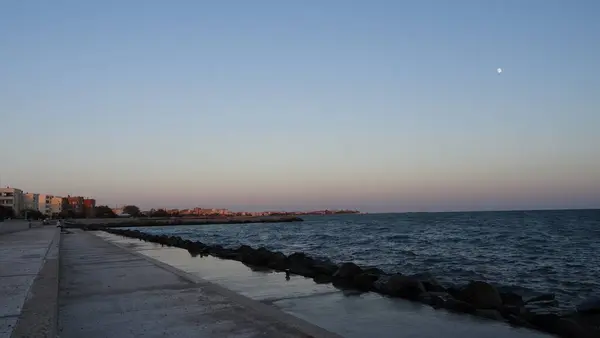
column 39, row 316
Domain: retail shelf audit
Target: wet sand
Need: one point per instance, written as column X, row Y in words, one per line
column 348, row 314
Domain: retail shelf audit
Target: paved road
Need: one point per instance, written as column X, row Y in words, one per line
column 108, row 291
column 23, row 255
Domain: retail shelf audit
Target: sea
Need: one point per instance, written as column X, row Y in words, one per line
column 528, row 252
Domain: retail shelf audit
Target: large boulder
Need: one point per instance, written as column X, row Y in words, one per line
column 278, row 261
column 482, row 295
column 489, row 314
column 430, row 283
column 364, row 281
column 459, row 306
column 259, row 257
column 401, row 286
column 563, row 327
column 589, row 306
column 322, row 279
column 301, row 264
column 511, row 299
column 324, row 267
column 347, row 271
column 546, row 297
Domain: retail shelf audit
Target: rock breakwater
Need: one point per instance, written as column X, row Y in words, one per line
column 477, row 298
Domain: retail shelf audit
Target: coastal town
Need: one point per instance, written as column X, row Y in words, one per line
column 16, row 203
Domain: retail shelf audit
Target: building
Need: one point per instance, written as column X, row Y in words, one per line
column 57, row 204
column 75, row 203
column 31, row 201
column 50, row 205
column 12, row 197
column 89, row 207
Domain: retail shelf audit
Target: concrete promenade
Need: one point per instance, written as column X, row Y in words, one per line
column 108, row 291
column 29, row 282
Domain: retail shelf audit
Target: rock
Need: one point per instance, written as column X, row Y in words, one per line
column 325, row 268
column 482, row 295
column 454, row 291
column 322, row 279
column 302, row 270
column 489, row 314
column 403, row 286
column 347, row 271
column 430, row 283
column 541, row 298
column 512, row 310
column 563, row 327
column 350, row 292
column 278, row 261
column 541, row 305
column 195, row 248
column 568, row 328
column 300, row 258
column 591, row 305
column 301, row 264
column 374, row 271
column 518, row 321
column 228, row 254
column 381, row 284
column 259, row 257
column 364, row 281
column 588, row 319
column 459, row 306
column 512, row 299
column 245, row 250
column 433, row 299
column 545, row 321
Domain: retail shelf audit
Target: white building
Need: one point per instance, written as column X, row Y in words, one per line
column 31, row 201
column 56, row 204
column 50, row 204
column 12, row 197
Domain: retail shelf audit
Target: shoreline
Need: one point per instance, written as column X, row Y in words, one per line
column 161, row 222
column 476, row 298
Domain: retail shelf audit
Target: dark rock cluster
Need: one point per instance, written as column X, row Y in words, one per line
column 477, row 298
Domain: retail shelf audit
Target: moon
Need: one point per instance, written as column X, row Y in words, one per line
column 499, row 70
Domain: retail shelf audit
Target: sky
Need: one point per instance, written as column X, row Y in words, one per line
column 296, row 105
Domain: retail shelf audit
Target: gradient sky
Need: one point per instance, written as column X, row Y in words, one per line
column 377, row 105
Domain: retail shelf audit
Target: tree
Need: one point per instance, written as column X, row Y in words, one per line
column 66, row 214
column 32, row 214
column 132, row 210
column 160, row 213
column 103, row 211
column 6, row 212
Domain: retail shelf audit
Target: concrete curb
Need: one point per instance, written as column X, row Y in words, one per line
column 270, row 311
column 39, row 317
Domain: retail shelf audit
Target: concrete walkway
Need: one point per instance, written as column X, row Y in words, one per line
column 108, row 291
column 29, row 283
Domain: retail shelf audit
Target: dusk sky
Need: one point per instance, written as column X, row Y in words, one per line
column 376, row 105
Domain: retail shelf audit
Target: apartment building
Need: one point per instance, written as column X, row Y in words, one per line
column 89, row 205
column 31, row 201
column 75, row 203
column 12, row 197
column 50, row 204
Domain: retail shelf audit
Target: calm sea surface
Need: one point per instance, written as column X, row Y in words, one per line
column 526, row 251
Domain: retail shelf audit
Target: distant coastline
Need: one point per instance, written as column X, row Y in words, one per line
column 98, row 224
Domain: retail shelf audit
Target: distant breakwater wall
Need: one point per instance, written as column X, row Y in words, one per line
column 475, row 298
column 177, row 221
